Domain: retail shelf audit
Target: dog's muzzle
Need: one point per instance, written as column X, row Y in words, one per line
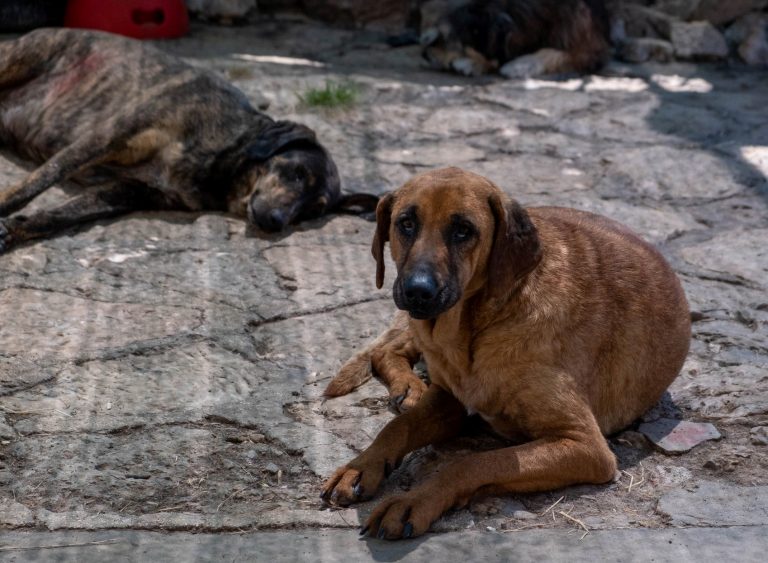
column 420, row 293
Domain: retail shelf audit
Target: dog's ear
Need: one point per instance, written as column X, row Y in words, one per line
column 273, row 138
column 383, row 220
column 516, row 247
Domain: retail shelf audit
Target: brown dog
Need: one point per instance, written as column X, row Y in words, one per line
column 520, row 37
column 153, row 133
column 555, row 325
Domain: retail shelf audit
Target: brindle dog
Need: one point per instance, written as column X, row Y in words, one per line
column 533, row 37
column 152, row 132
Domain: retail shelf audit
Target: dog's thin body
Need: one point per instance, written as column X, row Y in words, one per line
column 94, row 108
column 556, row 326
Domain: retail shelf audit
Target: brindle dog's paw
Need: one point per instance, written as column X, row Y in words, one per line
column 6, row 238
column 357, row 481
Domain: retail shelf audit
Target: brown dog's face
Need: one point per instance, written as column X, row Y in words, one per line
column 452, row 233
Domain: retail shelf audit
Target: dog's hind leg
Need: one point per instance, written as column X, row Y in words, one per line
column 101, row 203
column 59, row 167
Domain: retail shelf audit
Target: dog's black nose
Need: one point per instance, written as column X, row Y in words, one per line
column 273, row 221
column 420, row 288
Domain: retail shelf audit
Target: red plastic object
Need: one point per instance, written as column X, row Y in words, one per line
column 142, row 19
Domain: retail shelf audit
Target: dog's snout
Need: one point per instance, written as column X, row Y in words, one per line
column 420, row 289
column 272, row 221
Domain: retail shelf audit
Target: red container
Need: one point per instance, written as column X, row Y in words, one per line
column 142, row 19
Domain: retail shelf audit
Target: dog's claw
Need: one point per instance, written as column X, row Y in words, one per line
column 357, row 490
column 382, row 533
column 364, row 529
column 407, row 530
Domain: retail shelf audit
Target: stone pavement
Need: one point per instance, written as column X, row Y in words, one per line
column 163, row 372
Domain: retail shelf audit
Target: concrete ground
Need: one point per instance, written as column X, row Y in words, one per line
column 161, row 374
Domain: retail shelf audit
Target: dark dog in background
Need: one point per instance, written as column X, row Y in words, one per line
column 519, row 38
column 152, row 132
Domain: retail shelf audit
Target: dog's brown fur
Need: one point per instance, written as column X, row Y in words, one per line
column 153, row 132
column 391, row 357
column 520, row 37
column 555, row 325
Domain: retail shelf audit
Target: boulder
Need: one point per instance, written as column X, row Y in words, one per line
column 354, row 12
column 225, row 11
column 698, row 41
column 750, row 36
column 718, row 12
column 642, row 21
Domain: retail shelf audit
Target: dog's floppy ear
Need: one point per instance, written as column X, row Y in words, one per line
column 276, row 136
column 516, row 248
column 383, row 220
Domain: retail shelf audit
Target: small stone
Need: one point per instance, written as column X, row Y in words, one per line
column 759, row 435
column 508, row 506
column 524, row 515
column 698, row 40
column 250, row 454
column 294, row 470
column 271, row 468
column 712, row 465
column 678, row 436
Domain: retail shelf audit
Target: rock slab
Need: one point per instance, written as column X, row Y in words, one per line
column 678, row 436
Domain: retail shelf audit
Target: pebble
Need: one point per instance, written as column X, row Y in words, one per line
column 271, row 468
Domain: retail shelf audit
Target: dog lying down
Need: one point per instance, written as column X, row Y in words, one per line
column 153, row 133
column 520, row 38
column 556, row 326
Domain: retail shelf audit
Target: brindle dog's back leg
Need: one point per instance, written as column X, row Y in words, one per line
column 101, row 203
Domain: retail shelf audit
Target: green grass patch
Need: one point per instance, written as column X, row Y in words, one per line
column 333, row 95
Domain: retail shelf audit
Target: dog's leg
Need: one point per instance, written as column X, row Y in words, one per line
column 436, row 417
column 578, row 456
column 98, row 204
column 393, row 363
column 391, row 357
column 57, row 168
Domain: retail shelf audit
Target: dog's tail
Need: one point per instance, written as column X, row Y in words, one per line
column 352, row 375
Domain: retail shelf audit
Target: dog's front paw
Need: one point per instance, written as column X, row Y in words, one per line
column 404, row 516
column 357, row 481
column 405, row 391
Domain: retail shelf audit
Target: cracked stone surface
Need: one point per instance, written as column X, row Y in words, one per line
column 164, row 371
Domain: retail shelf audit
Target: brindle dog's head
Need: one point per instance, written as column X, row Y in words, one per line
column 452, row 233
column 296, row 179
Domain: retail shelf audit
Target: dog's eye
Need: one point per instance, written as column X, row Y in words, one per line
column 462, row 233
column 407, row 226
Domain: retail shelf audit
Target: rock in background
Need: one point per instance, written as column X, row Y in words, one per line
column 690, row 30
column 221, row 11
